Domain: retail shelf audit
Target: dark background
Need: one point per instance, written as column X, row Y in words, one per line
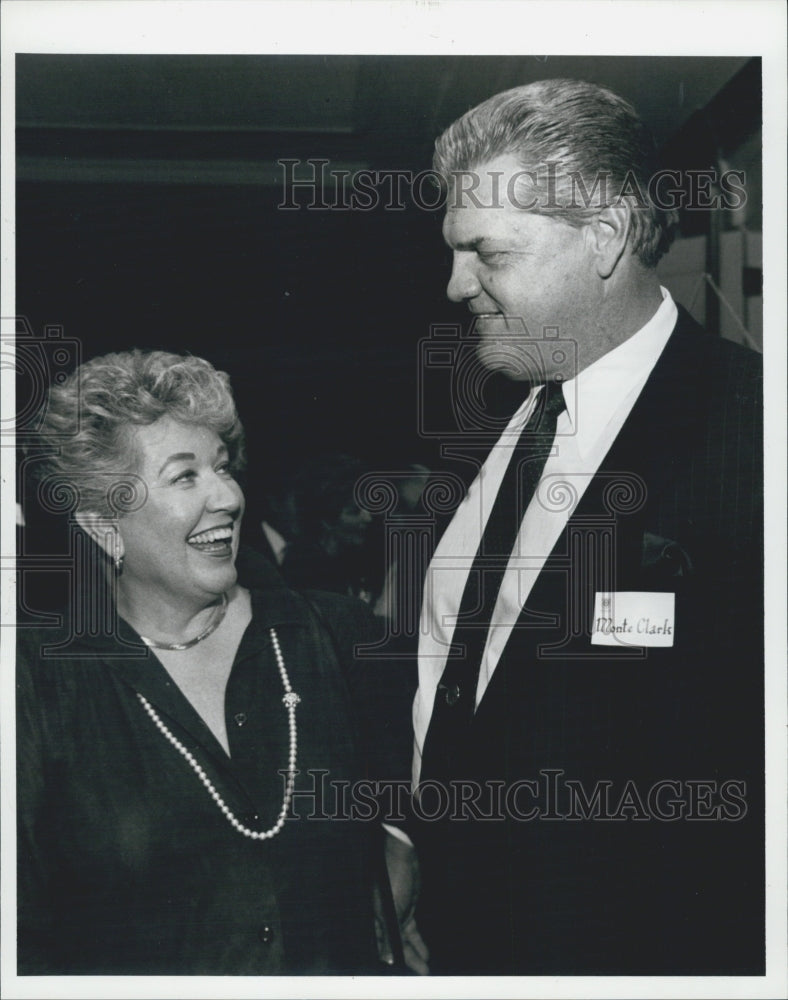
column 147, row 194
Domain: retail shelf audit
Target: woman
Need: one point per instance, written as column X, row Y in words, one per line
column 169, row 729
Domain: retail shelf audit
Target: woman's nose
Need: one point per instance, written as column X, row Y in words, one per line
column 225, row 494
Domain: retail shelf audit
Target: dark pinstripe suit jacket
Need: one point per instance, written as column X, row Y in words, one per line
column 637, row 846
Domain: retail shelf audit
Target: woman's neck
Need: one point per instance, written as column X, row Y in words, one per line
column 163, row 617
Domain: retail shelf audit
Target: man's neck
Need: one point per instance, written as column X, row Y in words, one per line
column 622, row 314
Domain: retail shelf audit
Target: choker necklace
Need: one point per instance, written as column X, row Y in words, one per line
column 215, row 622
column 290, row 699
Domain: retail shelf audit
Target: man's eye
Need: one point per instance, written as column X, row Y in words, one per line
column 490, row 256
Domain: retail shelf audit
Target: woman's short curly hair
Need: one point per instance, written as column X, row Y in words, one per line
column 88, row 425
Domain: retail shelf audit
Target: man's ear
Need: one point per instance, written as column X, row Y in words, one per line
column 610, row 234
column 104, row 532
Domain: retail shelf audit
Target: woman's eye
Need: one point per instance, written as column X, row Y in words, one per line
column 186, row 476
column 224, row 469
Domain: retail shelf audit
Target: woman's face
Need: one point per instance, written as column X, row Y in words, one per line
column 183, row 540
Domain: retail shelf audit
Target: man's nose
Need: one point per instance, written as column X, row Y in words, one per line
column 463, row 283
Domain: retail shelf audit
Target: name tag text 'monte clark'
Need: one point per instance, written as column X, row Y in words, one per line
column 633, row 618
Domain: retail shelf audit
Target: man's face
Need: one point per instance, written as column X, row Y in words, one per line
column 526, row 277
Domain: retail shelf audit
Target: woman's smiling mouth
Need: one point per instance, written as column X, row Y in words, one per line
column 212, row 541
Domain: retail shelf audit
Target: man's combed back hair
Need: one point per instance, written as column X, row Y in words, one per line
column 587, row 133
column 89, row 420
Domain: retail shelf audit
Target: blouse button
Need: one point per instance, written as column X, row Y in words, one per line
column 266, row 934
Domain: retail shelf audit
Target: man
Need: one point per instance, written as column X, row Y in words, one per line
column 588, row 726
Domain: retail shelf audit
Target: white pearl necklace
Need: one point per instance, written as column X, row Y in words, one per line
column 290, row 699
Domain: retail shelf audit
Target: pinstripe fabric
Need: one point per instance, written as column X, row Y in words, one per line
column 677, row 505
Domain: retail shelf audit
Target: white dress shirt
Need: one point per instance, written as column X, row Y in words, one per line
column 598, row 401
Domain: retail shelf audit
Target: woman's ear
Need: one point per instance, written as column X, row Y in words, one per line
column 610, row 234
column 104, row 532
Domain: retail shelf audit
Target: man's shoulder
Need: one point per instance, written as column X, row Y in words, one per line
column 717, row 356
column 705, row 377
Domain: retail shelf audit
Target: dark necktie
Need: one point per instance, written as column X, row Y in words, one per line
column 455, row 698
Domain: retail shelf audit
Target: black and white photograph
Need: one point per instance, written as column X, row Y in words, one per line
column 393, row 470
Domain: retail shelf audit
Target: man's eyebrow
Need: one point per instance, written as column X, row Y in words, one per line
column 478, row 244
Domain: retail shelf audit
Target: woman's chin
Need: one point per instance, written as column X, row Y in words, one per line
column 221, row 580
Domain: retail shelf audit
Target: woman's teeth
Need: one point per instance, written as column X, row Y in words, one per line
column 211, row 536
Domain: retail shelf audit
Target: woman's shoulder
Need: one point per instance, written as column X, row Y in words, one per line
column 341, row 616
column 343, row 612
column 50, row 661
column 37, row 646
column 51, row 669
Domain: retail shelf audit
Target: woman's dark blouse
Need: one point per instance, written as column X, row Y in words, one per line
column 127, row 866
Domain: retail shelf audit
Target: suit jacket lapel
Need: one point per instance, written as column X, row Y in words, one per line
column 626, row 494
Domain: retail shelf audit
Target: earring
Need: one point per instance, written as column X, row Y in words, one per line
column 118, row 560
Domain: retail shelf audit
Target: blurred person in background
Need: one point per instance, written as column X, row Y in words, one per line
column 334, row 548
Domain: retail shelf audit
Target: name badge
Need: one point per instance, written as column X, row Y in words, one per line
column 633, row 618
